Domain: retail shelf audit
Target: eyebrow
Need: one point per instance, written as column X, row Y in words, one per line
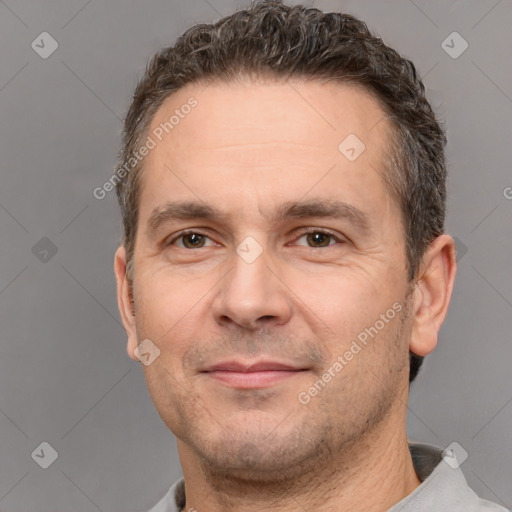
column 322, row 208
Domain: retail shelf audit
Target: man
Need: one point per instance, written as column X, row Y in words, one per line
column 284, row 267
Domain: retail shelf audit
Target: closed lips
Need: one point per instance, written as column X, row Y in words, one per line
column 235, row 366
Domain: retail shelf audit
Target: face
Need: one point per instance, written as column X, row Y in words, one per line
column 292, row 257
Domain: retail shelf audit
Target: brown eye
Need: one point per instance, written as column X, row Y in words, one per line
column 190, row 240
column 194, row 239
column 317, row 239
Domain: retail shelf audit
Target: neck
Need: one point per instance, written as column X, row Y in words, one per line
column 372, row 475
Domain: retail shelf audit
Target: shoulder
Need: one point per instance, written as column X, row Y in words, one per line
column 174, row 499
column 443, row 487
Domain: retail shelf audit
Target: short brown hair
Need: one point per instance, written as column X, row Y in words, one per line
column 273, row 39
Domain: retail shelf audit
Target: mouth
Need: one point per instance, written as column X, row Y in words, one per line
column 252, row 376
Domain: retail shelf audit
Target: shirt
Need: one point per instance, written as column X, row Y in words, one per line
column 443, row 488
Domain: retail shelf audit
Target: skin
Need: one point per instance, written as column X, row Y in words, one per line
column 246, row 148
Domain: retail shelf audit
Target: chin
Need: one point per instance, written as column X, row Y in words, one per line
column 260, row 456
column 253, row 463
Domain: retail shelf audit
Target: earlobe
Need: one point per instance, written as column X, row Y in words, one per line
column 432, row 294
column 125, row 301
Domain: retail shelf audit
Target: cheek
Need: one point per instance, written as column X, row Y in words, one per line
column 365, row 324
column 165, row 302
column 346, row 296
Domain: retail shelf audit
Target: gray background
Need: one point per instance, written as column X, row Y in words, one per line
column 65, row 377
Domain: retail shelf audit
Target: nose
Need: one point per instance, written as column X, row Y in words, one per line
column 252, row 295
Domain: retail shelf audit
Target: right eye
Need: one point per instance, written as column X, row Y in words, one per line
column 191, row 239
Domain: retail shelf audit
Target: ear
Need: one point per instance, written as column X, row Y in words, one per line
column 124, row 301
column 432, row 293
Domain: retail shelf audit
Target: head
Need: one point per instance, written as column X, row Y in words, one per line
column 271, row 94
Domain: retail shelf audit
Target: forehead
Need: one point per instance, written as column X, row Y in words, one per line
column 275, row 137
column 252, row 112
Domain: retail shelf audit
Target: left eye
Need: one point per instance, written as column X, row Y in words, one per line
column 319, row 237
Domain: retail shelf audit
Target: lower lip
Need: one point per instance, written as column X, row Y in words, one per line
column 253, row 379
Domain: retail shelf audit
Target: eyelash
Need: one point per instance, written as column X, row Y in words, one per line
column 302, row 233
